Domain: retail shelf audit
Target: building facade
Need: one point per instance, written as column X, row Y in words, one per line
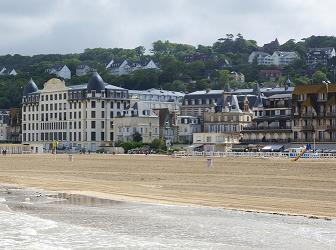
column 4, row 125
column 278, row 58
column 15, row 125
column 271, row 122
column 61, row 71
column 186, row 127
column 7, row 72
column 127, row 67
column 78, row 116
column 199, row 102
column 321, row 56
column 314, row 113
column 158, row 99
column 84, row 69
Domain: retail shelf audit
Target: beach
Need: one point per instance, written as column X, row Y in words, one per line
column 280, row 186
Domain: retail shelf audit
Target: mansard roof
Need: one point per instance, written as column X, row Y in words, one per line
column 30, row 87
column 96, row 83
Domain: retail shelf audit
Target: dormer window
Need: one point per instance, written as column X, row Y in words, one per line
column 93, row 93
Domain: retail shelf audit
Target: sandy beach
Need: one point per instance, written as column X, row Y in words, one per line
column 306, row 187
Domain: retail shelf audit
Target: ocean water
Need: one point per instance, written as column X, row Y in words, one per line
column 35, row 220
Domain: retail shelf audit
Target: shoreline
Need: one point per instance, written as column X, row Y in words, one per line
column 159, row 202
column 269, row 186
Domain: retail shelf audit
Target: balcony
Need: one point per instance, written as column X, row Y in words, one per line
column 307, row 115
column 307, row 127
column 311, row 140
column 273, row 118
column 256, row 141
column 330, row 114
column 331, row 127
column 268, row 128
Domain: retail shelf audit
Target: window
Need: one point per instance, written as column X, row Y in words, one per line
column 93, row 114
column 118, row 105
column 93, row 136
column 111, row 104
column 93, row 124
column 102, row 114
column 51, row 97
column 102, row 124
column 93, row 104
column 60, row 96
column 64, row 96
column 102, row 136
column 103, row 104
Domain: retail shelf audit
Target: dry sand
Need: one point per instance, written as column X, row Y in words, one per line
column 306, row 187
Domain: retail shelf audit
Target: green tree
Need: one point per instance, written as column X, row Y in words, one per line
column 319, row 77
column 137, row 137
column 157, row 144
column 140, row 51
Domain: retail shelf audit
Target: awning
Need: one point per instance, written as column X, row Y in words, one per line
column 239, row 147
column 273, row 148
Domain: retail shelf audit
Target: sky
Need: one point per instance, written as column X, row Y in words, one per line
column 68, row 26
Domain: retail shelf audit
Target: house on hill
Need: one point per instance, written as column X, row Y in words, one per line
column 8, row 72
column 278, row 58
column 61, row 71
column 84, row 69
column 271, row 47
column 317, row 56
column 127, row 67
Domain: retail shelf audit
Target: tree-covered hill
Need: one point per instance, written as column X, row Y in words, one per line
column 183, row 67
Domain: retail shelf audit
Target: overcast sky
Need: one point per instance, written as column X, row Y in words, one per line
column 65, row 26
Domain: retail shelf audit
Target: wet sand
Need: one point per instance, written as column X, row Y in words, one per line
column 306, row 187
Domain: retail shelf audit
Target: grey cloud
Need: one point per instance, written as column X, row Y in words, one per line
column 63, row 26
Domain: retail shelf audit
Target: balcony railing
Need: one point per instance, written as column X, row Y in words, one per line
column 259, row 128
column 266, row 141
column 307, row 115
column 307, row 127
column 331, row 127
column 330, row 114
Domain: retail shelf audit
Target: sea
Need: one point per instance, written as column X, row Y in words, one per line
column 33, row 219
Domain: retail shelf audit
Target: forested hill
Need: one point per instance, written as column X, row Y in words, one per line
column 182, row 67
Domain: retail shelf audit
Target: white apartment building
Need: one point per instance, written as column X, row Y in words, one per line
column 138, row 119
column 78, row 116
column 158, row 99
column 186, row 127
column 278, row 58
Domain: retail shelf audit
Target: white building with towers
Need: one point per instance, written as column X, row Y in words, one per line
column 78, row 116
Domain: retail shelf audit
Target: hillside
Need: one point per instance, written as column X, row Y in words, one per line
column 182, row 67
